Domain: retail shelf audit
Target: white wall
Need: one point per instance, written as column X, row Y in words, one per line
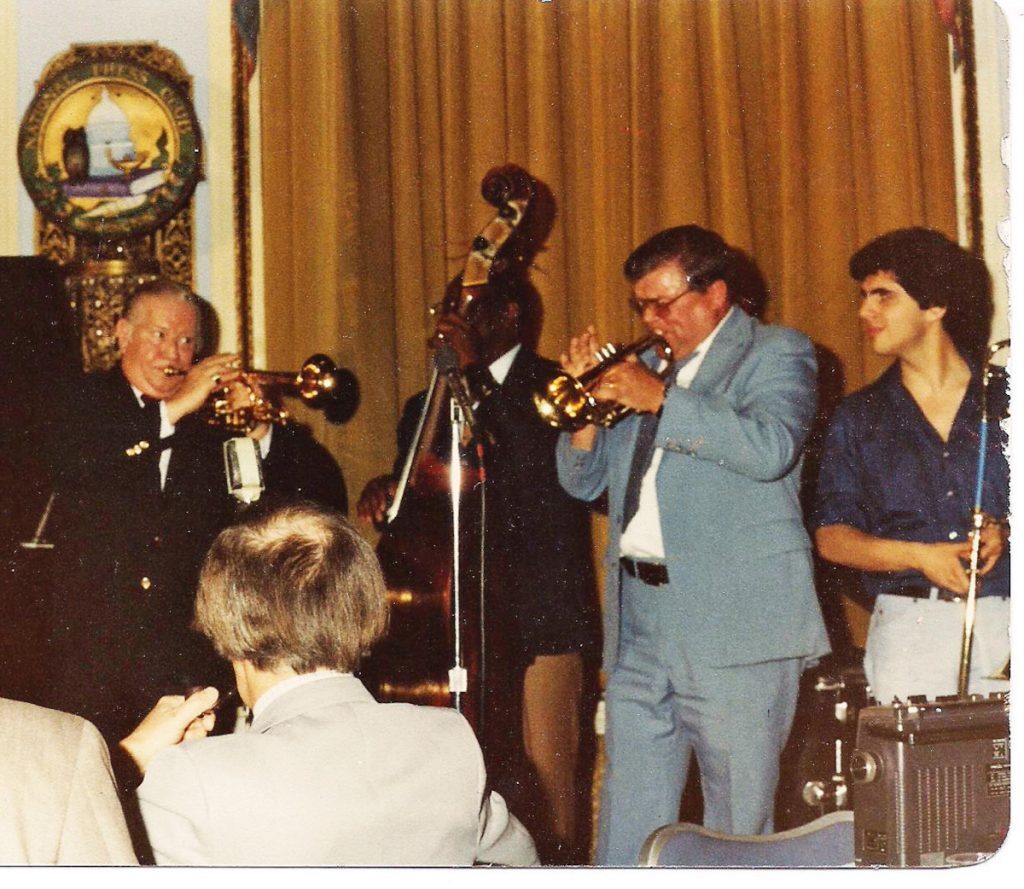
column 993, row 91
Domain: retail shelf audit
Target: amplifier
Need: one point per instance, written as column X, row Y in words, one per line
column 931, row 781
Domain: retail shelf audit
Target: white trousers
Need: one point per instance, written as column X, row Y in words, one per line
column 913, row 647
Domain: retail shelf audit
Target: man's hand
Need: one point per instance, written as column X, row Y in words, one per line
column 174, row 719
column 576, row 361
column 947, row 564
column 943, row 565
column 211, row 373
column 994, row 535
column 581, row 355
column 243, row 394
column 631, row 384
column 376, row 498
column 452, row 329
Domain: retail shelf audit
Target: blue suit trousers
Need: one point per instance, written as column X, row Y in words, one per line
column 661, row 706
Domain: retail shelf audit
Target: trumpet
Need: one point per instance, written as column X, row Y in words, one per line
column 320, row 383
column 567, row 403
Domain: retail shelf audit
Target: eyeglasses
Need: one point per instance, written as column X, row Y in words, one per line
column 155, row 336
column 658, row 306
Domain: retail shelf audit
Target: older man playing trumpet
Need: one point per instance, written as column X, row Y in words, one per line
column 140, row 491
column 710, row 609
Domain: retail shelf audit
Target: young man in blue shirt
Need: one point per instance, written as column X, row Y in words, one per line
column 899, row 472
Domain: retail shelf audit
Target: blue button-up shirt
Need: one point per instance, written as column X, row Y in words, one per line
column 886, row 472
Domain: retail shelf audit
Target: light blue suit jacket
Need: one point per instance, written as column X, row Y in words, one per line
column 738, row 555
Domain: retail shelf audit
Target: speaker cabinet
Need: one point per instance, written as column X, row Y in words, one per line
column 931, row 781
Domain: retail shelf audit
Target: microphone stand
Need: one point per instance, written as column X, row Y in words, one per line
column 37, row 541
column 462, row 419
column 977, row 521
column 458, row 677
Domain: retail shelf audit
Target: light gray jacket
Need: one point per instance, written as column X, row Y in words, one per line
column 328, row 776
column 58, row 804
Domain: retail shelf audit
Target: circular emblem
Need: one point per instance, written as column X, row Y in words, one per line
column 109, row 149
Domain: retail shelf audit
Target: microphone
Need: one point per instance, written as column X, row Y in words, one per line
column 447, row 362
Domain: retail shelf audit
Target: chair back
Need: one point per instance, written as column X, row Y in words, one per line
column 824, row 842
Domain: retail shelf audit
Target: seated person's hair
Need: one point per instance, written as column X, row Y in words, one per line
column 294, row 586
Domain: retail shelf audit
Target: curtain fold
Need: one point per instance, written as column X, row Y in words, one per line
column 799, row 129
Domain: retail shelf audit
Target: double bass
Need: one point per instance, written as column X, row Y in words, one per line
column 431, row 548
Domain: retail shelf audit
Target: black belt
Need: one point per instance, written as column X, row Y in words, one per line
column 926, row 592
column 648, row 572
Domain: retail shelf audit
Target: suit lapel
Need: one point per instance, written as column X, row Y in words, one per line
column 138, row 426
column 727, row 351
column 127, row 405
column 519, row 370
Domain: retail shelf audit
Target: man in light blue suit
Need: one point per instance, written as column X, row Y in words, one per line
column 710, row 609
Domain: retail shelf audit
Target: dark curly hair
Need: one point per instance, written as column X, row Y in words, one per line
column 705, row 257
column 935, row 271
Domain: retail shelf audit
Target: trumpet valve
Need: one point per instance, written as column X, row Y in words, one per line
column 565, row 403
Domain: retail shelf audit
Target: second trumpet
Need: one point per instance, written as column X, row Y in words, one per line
column 320, row 383
column 567, row 402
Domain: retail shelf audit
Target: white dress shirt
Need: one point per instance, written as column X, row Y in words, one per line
column 166, row 431
column 500, row 367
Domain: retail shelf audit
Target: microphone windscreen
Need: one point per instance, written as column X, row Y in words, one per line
column 446, row 359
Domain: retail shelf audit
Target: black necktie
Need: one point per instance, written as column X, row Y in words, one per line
column 643, row 451
column 151, row 411
column 150, row 427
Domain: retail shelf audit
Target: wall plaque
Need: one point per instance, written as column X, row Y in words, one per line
column 109, row 149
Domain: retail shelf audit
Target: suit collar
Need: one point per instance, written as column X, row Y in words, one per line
column 117, row 383
column 523, row 366
column 122, row 406
column 342, row 689
column 729, row 345
column 501, row 367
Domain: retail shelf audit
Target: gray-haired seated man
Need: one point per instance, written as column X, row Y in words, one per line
column 325, row 774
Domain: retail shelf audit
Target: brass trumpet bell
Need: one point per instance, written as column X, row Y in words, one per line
column 315, row 382
column 567, row 402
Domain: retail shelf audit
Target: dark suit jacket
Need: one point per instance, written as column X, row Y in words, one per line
column 128, row 553
column 539, row 555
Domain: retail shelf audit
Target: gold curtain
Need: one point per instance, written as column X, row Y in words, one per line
column 798, row 129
